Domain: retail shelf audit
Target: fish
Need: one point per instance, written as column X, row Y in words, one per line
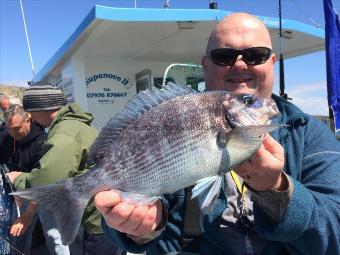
column 162, row 141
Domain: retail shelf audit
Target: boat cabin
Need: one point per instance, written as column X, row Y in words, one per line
column 117, row 52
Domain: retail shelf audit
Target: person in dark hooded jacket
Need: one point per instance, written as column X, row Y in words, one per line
column 21, row 150
column 22, row 147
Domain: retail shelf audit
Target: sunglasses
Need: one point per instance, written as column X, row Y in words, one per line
column 251, row 56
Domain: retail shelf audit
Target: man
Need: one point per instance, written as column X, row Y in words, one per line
column 293, row 197
column 69, row 138
column 5, row 102
column 21, row 150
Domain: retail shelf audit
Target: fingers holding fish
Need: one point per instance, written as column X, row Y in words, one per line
column 135, row 220
column 273, row 147
column 105, row 200
column 263, row 170
column 118, row 214
column 151, row 220
column 126, row 217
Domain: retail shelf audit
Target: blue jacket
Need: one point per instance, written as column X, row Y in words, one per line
column 311, row 225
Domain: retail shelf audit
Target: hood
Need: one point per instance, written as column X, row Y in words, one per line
column 72, row 112
column 35, row 130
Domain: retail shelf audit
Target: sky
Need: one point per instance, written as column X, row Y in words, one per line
column 51, row 22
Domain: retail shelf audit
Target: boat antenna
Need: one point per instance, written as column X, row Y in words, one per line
column 282, row 71
column 311, row 20
column 27, row 40
column 212, row 4
column 166, row 4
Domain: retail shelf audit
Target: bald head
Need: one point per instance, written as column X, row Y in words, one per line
column 240, row 31
column 244, row 28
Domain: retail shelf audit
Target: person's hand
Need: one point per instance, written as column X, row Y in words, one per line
column 263, row 171
column 128, row 218
column 12, row 175
column 22, row 223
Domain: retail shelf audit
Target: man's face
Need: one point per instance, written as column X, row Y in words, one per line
column 40, row 118
column 240, row 77
column 18, row 127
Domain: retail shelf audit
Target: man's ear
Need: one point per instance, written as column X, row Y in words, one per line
column 28, row 117
column 273, row 58
column 203, row 61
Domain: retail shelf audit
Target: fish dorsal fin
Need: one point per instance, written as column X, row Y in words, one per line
column 139, row 104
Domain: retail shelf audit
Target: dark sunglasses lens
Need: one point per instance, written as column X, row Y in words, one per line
column 256, row 55
column 224, row 57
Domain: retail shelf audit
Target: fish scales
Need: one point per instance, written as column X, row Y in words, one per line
column 162, row 141
column 159, row 140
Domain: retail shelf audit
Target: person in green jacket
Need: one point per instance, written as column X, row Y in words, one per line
column 69, row 139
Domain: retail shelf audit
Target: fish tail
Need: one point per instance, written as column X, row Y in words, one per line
column 63, row 201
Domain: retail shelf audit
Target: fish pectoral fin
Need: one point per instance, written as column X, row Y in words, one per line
column 137, row 199
column 207, row 190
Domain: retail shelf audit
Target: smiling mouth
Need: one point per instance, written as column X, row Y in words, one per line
column 239, row 80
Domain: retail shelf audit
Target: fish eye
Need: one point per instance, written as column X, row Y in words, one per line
column 247, row 99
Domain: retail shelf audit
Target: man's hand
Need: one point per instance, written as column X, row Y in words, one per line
column 12, row 175
column 128, row 218
column 263, row 171
column 24, row 221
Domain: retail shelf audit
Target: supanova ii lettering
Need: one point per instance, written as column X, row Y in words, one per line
column 116, row 77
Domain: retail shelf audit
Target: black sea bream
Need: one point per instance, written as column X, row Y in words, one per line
column 163, row 141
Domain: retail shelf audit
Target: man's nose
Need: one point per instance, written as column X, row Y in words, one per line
column 239, row 63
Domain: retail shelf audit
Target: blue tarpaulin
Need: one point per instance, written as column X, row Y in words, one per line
column 332, row 30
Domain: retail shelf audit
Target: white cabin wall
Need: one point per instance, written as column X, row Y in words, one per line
column 78, row 81
column 107, row 96
column 109, row 85
column 103, row 97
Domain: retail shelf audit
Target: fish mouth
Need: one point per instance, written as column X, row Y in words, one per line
column 232, row 123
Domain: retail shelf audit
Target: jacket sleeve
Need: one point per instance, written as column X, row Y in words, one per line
column 311, row 223
column 168, row 241
column 61, row 159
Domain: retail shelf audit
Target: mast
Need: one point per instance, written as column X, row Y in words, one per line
column 282, row 71
column 27, row 39
column 212, row 4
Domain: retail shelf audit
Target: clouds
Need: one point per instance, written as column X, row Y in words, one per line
column 310, row 98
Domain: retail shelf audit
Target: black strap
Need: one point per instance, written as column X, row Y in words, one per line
column 191, row 225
